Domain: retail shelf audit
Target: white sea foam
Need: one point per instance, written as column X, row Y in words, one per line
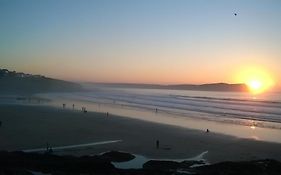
column 57, row 148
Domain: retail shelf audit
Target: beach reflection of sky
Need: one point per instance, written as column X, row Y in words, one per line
column 139, row 160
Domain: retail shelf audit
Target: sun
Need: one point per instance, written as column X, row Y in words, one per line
column 255, row 86
column 258, row 80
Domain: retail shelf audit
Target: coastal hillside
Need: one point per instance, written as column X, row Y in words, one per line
column 12, row 82
column 224, row 87
column 212, row 87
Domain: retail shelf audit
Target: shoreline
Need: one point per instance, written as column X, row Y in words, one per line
column 27, row 127
column 238, row 127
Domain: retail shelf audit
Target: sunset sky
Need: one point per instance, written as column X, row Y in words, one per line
column 142, row 41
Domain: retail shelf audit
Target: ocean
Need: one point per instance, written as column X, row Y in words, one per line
column 242, row 115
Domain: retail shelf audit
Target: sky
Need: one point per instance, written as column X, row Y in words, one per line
column 142, row 41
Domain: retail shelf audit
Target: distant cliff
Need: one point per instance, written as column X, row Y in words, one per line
column 203, row 87
column 12, row 82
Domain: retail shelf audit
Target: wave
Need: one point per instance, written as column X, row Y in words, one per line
column 215, row 108
column 248, row 109
column 235, row 101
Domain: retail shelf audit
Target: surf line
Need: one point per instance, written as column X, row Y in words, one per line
column 72, row 146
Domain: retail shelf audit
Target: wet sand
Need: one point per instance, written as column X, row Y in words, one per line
column 31, row 127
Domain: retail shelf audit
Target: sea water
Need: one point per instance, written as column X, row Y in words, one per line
column 238, row 114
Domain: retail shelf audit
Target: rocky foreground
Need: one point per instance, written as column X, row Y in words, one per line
column 28, row 163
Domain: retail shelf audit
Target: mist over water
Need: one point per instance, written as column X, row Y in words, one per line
column 237, row 114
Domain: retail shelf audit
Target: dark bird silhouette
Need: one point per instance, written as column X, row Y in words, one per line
column 235, row 14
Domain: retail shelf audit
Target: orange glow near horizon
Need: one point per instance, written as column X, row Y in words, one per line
column 257, row 79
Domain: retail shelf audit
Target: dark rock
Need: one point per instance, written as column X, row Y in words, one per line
column 161, row 165
column 143, row 172
column 116, row 156
column 49, row 163
column 261, row 167
column 188, row 163
column 24, row 163
column 12, row 171
column 171, row 166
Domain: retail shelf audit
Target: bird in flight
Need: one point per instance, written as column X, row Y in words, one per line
column 235, row 14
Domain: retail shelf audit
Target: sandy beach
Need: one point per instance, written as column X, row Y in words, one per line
column 31, row 127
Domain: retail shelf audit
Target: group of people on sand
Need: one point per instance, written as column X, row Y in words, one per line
column 84, row 110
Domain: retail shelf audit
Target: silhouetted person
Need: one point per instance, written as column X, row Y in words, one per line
column 157, row 144
column 156, row 110
column 47, row 147
column 107, row 114
column 73, row 106
column 207, row 130
column 50, row 150
column 84, row 110
column 63, row 106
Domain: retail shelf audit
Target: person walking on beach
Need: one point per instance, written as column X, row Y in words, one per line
column 107, row 114
column 47, row 147
column 73, row 106
column 157, row 144
column 63, row 106
column 50, row 150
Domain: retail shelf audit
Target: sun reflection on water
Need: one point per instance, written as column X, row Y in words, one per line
column 252, row 124
column 253, row 127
